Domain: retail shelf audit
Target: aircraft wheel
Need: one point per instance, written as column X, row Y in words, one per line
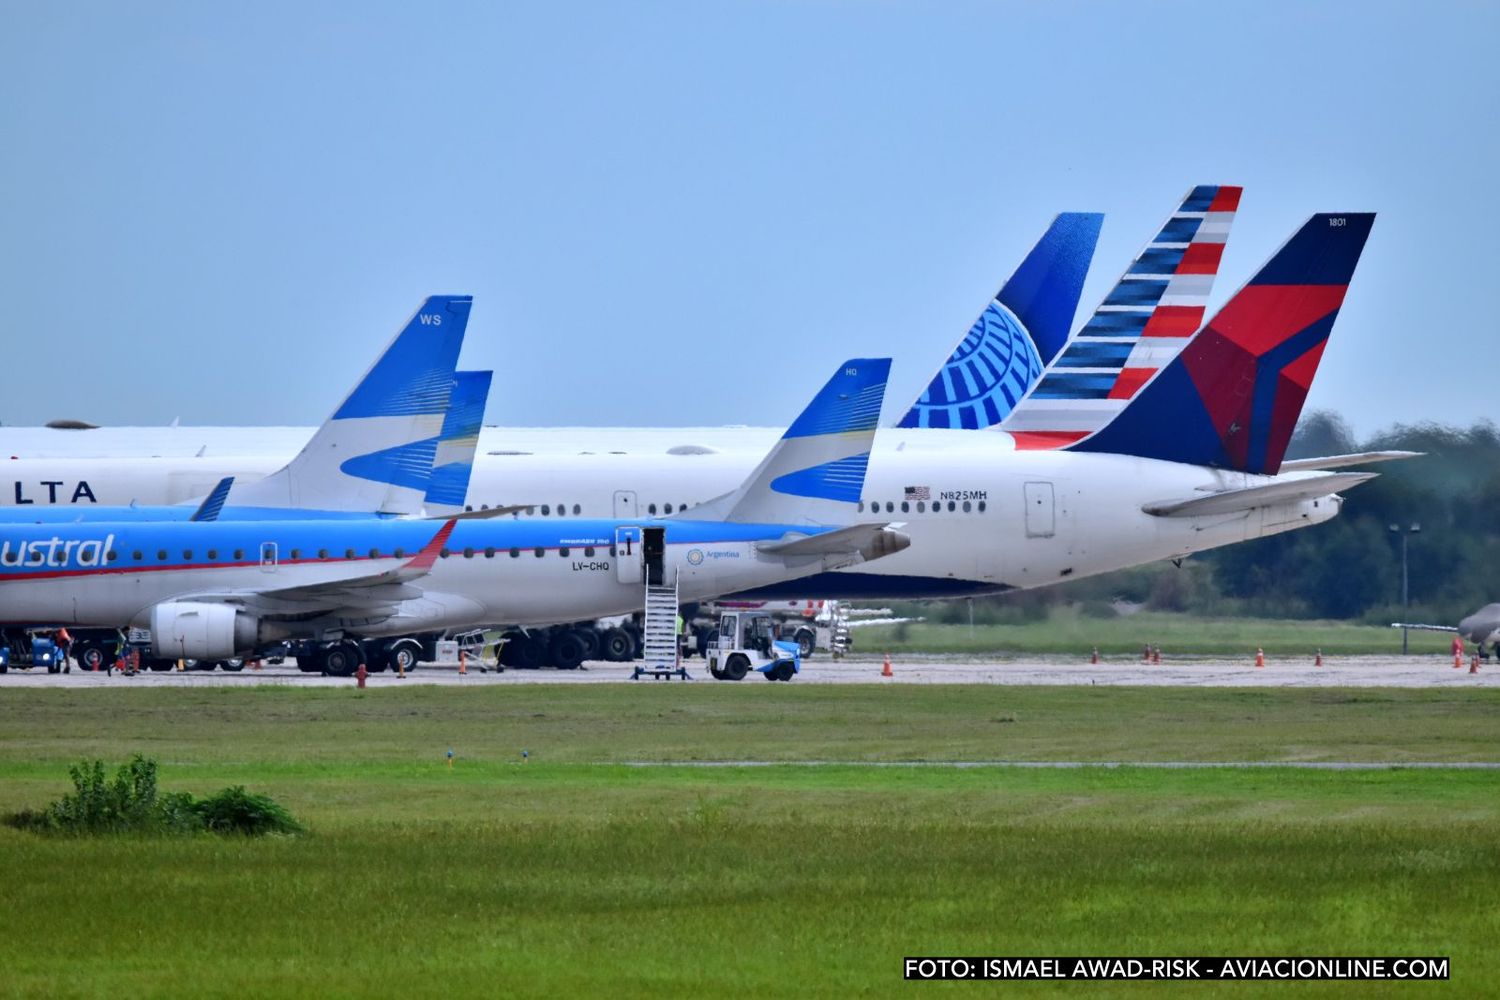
column 403, row 656
column 91, row 656
column 717, row 673
column 529, row 652
column 615, row 645
column 566, row 650
column 342, row 659
column 736, row 667
column 590, row 639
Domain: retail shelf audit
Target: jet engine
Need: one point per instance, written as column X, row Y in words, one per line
column 199, row 631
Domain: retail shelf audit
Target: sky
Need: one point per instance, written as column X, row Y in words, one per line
column 690, row 213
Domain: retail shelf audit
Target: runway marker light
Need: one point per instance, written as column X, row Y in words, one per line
column 1146, row 653
column 401, row 667
column 525, row 756
column 450, row 758
column 1156, row 656
column 1095, row 658
column 1260, row 656
column 886, row 671
column 1318, row 659
column 360, row 675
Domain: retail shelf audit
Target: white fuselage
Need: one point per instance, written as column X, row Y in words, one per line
column 989, row 517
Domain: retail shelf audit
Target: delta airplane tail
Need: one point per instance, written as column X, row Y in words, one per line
column 1232, row 397
column 376, row 453
column 1016, row 336
column 448, row 488
column 1144, row 322
column 815, row 474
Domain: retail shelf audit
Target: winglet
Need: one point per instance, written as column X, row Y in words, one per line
column 423, row 560
column 448, row 487
column 209, row 509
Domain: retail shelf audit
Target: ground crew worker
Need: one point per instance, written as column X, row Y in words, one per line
column 64, row 641
column 681, row 644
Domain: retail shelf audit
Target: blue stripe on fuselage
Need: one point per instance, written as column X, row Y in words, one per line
column 336, row 537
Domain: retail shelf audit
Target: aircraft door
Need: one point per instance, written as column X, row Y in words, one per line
column 628, row 554
column 268, row 557
column 1041, row 510
column 625, row 505
column 654, row 548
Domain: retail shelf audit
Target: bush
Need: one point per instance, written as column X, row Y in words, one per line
column 131, row 803
column 235, row 810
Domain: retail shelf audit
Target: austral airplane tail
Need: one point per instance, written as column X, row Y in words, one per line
column 448, row 488
column 1142, row 324
column 1016, row 336
column 375, row 454
column 1232, row 397
column 815, row 474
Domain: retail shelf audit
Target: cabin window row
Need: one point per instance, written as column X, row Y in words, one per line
column 921, row 506
column 562, row 510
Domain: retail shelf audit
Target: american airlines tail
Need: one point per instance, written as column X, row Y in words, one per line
column 1016, row 336
column 1144, row 322
column 448, row 487
column 376, row 453
column 1232, row 397
column 815, row 475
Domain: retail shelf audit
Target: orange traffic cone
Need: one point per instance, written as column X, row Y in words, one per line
column 885, row 671
column 1458, row 660
column 1260, row 656
column 1095, row 657
column 463, row 663
column 1318, row 659
column 1156, row 656
column 1146, row 653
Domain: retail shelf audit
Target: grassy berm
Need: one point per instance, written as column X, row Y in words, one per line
column 577, row 873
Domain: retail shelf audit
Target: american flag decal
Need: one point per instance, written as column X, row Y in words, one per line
column 919, row 493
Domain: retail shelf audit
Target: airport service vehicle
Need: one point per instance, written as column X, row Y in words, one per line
column 746, row 641
column 28, row 648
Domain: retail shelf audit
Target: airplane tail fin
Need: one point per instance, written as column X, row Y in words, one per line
column 815, row 474
column 1016, row 336
column 1144, row 322
column 209, row 509
column 375, row 454
column 448, row 488
column 1231, row 398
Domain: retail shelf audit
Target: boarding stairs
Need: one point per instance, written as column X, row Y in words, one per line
column 659, row 632
column 838, row 630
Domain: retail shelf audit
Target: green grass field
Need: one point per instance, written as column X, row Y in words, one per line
column 1066, row 632
column 576, row 873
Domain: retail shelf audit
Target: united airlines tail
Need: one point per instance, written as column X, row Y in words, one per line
column 815, row 474
column 448, row 488
column 376, row 453
column 1017, row 334
column 1232, row 398
column 1147, row 318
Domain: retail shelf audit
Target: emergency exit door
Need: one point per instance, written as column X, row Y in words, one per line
column 1041, row 510
column 268, row 557
column 625, row 504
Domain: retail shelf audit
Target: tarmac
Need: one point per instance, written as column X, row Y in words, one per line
column 1335, row 672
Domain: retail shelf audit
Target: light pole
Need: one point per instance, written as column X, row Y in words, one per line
column 1405, row 590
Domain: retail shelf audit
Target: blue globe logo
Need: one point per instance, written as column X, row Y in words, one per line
column 989, row 372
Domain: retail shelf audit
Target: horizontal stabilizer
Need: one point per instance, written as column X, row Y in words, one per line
column 1251, row 497
column 869, row 540
column 1344, row 461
